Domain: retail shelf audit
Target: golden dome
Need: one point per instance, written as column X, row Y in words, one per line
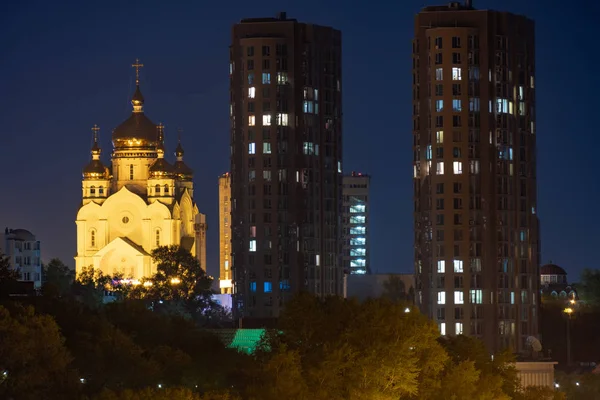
column 137, row 130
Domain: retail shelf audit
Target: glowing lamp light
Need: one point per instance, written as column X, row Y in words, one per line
column 407, row 310
column 175, row 281
column 568, row 310
column 147, row 283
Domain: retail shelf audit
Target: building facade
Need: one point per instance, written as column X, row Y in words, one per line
column 225, row 277
column 356, row 255
column 286, row 162
column 139, row 203
column 200, row 228
column 23, row 252
column 477, row 239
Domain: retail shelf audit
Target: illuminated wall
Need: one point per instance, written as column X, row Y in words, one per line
column 356, row 223
column 225, row 233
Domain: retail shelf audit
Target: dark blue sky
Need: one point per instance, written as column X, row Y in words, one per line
column 65, row 66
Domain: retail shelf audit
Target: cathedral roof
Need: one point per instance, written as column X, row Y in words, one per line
column 179, row 150
column 95, row 167
column 182, row 170
column 135, row 131
column 161, row 167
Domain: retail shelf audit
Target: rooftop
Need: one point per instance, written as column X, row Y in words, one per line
column 281, row 16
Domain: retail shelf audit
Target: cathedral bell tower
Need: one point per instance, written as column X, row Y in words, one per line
column 161, row 183
column 96, row 179
column 134, row 144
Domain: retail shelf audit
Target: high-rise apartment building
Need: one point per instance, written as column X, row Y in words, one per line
column 477, row 239
column 356, row 223
column 225, row 277
column 286, row 162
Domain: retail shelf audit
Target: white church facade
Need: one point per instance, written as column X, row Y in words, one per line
column 138, row 203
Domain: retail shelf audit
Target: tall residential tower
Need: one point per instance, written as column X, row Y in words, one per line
column 225, row 285
column 474, row 139
column 286, row 162
column 356, row 223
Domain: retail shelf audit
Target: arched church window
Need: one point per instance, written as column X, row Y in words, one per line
column 157, row 233
column 101, row 190
column 166, row 188
column 93, row 190
column 157, row 190
column 93, row 238
column 131, row 172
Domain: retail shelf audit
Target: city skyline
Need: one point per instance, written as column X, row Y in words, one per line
column 71, row 94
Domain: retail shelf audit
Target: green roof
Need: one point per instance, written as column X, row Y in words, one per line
column 244, row 340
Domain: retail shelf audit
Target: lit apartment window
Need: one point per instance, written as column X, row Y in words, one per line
column 441, row 266
column 456, row 74
column 266, row 77
column 441, row 297
column 266, row 148
column 443, row 328
column 459, row 297
column 266, row 120
column 476, row 296
column 456, row 105
column 439, row 168
column 439, row 74
column 439, row 105
column 251, row 120
column 282, row 119
column 458, row 266
column 251, row 148
column 457, row 166
column 251, row 92
column 282, row 78
column 458, row 328
column 439, row 137
column 252, row 246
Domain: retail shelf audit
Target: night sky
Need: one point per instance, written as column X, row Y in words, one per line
column 65, row 66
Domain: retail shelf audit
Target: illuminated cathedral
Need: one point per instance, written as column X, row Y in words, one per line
column 139, row 202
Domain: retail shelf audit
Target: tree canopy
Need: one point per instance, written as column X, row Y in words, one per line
column 67, row 343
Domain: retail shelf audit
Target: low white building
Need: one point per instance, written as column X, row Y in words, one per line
column 23, row 252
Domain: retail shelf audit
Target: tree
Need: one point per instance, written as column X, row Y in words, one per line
column 352, row 350
column 394, row 288
column 545, row 393
column 494, row 378
column 180, row 286
column 279, row 377
column 589, row 288
column 33, row 359
column 58, row 279
column 163, row 394
column 8, row 276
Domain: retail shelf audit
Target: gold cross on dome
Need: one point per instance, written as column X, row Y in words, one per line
column 137, row 67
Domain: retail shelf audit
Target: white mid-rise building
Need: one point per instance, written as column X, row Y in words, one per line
column 23, row 252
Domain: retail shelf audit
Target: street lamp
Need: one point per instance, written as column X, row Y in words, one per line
column 569, row 312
